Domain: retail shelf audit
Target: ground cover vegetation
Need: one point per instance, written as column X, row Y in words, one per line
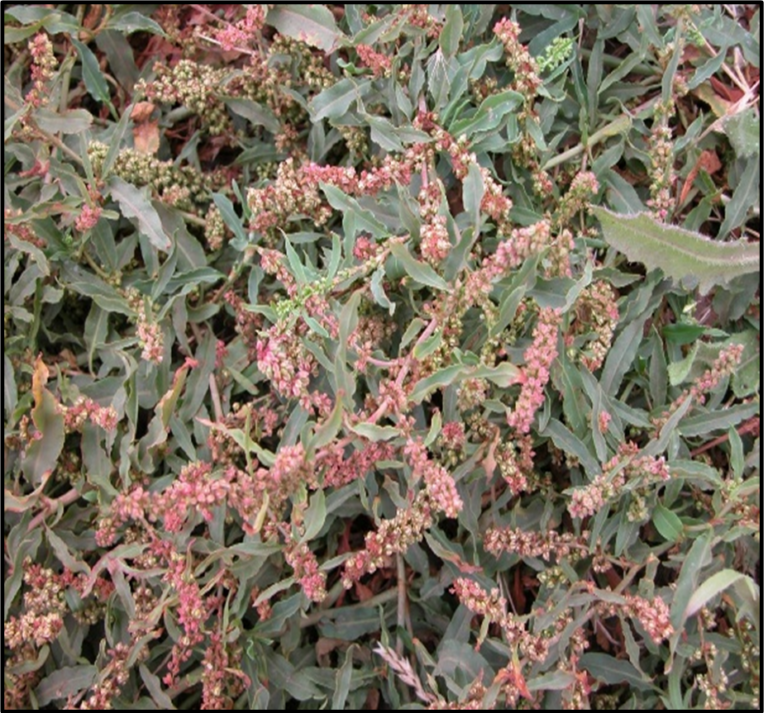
column 381, row 356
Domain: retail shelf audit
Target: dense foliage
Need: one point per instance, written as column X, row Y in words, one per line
column 381, row 356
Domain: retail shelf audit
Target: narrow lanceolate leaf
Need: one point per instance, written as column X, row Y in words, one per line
column 334, row 102
column 72, row 121
column 698, row 557
column 93, row 77
column 43, row 452
column 679, row 253
column 256, row 113
column 375, row 433
column 313, row 24
column 716, row 585
column 489, row 114
column 135, row 204
column 419, row 271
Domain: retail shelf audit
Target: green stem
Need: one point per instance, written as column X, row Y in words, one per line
column 617, row 126
column 382, row 598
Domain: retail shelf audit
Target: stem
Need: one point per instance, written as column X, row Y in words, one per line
column 51, row 505
column 617, row 126
column 192, row 218
column 92, row 263
column 402, row 596
column 381, row 598
column 56, row 141
column 216, row 399
column 745, row 427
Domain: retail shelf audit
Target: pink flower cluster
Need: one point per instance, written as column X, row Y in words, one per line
column 552, row 545
column 522, row 243
column 87, row 409
column 342, row 468
column 44, row 66
column 583, row 188
column 653, row 616
column 588, row 499
column 194, row 490
column 222, row 677
column 306, row 570
column 724, row 366
column 379, row 64
column 518, row 59
column 535, row 374
column 440, row 485
column 88, row 218
column 241, row 34
column 368, row 182
column 477, row 600
column 393, row 537
column 603, row 421
column 293, row 192
column 435, row 241
column 597, row 313
column 453, row 436
column 515, row 461
column 285, row 361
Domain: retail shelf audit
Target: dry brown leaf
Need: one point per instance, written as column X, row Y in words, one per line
column 146, row 137
column 142, row 111
column 39, row 379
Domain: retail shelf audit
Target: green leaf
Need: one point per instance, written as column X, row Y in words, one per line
column 698, row 557
column 745, row 196
column 442, row 377
column 419, row 271
column 743, row 131
column 377, row 289
column 65, row 682
column 450, row 35
column 422, row 350
column 256, row 113
column 621, row 355
column 565, row 440
column 93, row 77
column 504, row 374
column 678, row 371
column 43, row 453
column 715, row 585
column 327, row 431
column 356, row 218
column 473, row 190
column 679, row 253
column 668, row 524
column 384, row 133
column 72, row 121
column 135, row 204
column 134, row 22
column 334, row 102
column 10, row 390
column 704, row 423
column 343, row 679
column 613, row 671
column 116, row 142
column 375, row 433
column 313, row 24
column 489, row 114
column 314, row 518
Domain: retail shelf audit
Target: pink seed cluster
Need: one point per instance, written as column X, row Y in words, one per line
column 534, row 376
column 588, row 499
column 440, row 485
